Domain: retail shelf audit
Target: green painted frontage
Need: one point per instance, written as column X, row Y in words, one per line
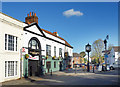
column 25, row 67
column 50, row 59
column 45, row 70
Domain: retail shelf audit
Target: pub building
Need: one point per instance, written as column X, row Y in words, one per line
column 27, row 50
column 46, row 49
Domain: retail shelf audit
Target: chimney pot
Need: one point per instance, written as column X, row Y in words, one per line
column 35, row 14
column 30, row 13
column 27, row 14
column 55, row 33
column 31, row 18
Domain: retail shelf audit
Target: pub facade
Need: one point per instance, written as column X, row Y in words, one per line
column 46, row 50
column 27, row 50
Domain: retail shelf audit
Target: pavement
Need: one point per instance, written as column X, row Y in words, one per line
column 69, row 77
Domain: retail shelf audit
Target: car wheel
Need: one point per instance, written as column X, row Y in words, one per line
column 111, row 68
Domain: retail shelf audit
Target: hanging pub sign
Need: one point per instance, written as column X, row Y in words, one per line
column 34, row 52
column 23, row 49
column 33, row 58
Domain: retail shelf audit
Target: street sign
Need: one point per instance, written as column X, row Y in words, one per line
column 23, row 49
column 106, row 56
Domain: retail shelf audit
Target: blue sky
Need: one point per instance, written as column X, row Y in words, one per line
column 88, row 21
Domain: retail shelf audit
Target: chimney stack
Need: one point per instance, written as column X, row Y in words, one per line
column 35, row 14
column 55, row 33
column 32, row 18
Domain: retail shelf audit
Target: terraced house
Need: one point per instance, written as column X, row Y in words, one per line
column 27, row 50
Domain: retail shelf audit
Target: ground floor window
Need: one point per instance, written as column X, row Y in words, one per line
column 10, row 68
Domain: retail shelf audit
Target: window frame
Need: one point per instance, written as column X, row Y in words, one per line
column 48, row 50
column 55, row 51
column 60, row 52
column 11, row 43
column 11, row 68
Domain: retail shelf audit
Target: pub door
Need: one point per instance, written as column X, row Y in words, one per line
column 33, row 68
column 60, row 66
column 48, row 66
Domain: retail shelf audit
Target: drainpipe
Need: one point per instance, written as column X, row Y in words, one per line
column 21, row 63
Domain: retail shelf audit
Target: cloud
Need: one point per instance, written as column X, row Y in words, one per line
column 71, row 12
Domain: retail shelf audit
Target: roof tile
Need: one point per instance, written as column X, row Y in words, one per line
column 57, row 37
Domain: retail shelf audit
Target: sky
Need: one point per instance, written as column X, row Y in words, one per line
column 78, row 23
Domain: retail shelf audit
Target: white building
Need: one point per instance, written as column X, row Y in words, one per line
column 111, row 57
column 49, row 44
column 10, row 44
column 117, row 54
column 41, row 44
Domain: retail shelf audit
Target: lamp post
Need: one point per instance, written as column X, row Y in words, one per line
column 88, row 49
column 105, row 43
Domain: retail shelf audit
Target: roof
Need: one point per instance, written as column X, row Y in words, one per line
column 116, row 48
column 76, row 55
column 66, row 43
column 12, row 17
column 56, row 36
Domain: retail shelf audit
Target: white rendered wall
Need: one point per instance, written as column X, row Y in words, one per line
column 9, row 26
column 44, row 42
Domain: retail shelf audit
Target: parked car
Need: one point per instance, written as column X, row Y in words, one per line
column 116, row 66
column 108, row 67
column 112, row 66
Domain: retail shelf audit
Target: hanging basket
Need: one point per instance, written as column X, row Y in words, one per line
column 53, row 57
column 46, row 57
column 26, row 56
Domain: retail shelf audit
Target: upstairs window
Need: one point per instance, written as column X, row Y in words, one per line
column 55, row 51
column 60, row 52
column 48, row 50
column 10, row 42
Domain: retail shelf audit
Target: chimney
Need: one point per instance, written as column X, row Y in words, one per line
column 30, row 13
column 55, row 33
column 32, row 18
column 35, row 14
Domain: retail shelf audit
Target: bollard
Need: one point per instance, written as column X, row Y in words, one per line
column 51, row 72
column 93, row 69
column 75, row 69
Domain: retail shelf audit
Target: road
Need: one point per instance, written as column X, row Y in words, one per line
column 70, row 78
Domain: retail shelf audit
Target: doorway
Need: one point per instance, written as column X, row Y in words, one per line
column 60, row 66
column 32, row 68
column 48, row 66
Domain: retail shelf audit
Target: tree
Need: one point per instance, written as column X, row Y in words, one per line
column 82, row 54
column 85, row 60
column 110, row 47
column 97, row 48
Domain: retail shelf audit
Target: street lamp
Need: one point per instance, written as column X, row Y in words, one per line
column 105, row 43
column 88, row 49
